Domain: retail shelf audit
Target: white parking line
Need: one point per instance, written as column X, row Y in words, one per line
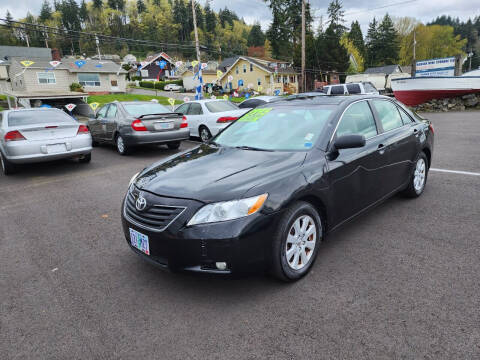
column 456, row 172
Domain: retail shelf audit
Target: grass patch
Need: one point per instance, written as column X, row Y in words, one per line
column 3, row 97
column 103, row 99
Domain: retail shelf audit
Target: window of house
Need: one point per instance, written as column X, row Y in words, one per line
column 46, row 78
column 244, row 68
column 114, row 83
column 259, row 81
column 251, row 67
column 89, row 79
column 236, row 70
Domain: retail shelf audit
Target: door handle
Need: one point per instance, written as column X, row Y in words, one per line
column 381, row 149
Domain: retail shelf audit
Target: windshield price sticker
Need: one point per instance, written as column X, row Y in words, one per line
column 255, row 114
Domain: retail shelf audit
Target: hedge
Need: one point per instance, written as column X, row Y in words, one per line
column 159, row 85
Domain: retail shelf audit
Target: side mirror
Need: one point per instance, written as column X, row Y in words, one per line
column 349, row 142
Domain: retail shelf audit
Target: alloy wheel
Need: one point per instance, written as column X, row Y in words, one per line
column 204, row 135
column 419, row 175
column 2, row 163
column 300, row 244
column 120, row 145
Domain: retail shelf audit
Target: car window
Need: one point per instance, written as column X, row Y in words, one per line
column 32, row 117
column 405, row 117
column 354, row 89
column 358, row 120
column 112, row 111
column 369, row 87
column 220, row 106
column 145, row 109
column 325, row 89
column 337, row 90
column 279, row 128
column 388, row 114
column 251, row 103
column 195, row 109
column 102, row 112
column 183, row 109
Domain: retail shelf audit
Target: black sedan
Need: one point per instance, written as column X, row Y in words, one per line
column 128, row 124
column 267, row 189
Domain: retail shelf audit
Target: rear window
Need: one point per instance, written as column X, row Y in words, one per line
column 337, row 90
column 354, row 89
column 145, row 109
column 219, row 106
column 32, row 117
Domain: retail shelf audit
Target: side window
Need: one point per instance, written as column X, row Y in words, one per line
column 388, row 114
column 405, row 118
column 102, row 113
column 337, row 90
column 183, row 108
column 369, row 87
column 195, row 109
column 112, row 111
column 358, row 120
column 354, row 89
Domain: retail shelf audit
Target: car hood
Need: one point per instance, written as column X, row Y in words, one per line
column 210, row 173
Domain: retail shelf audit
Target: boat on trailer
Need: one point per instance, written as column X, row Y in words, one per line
column 418, row 90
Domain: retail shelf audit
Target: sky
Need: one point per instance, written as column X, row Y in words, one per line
column 361, row 10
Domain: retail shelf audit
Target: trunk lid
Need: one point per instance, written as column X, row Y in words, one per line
column 161, row 122
column 49, row 131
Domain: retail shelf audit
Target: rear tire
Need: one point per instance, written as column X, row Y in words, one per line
column 418, row 180
column 7, row 167
column 85, row 159
column 204, row 133
column 296, row 242
column 122, row 148
column 174, row 145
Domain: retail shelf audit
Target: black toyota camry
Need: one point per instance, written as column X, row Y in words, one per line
column 267, row 190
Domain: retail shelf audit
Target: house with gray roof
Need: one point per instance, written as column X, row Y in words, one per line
column 387, row 70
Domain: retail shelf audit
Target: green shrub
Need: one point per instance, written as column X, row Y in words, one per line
column 76, row 87
column 134, row 78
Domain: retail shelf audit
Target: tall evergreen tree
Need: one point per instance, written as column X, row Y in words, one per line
column 210, row 19
column 387, row 42
column 356, row 36
column 372, row 44
column 141, row 6
column 45, row 12
column 256, row 37
column 336, row 16
column 83, row 12
column 97, row 4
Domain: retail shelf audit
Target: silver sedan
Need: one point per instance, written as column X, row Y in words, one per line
column 36, row 135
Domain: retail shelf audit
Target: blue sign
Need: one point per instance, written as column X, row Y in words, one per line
column 80, row 63
column 276, row 92
column 99, row 65
column 162, row 64
column 240, row 82
column 247, row 95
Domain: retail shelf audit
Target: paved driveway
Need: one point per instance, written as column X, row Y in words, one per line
column 401, row 282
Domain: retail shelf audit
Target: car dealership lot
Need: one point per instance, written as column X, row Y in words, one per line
column 398, row 282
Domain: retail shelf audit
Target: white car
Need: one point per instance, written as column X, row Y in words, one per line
column 207, row 117
column 364, row 88
column 172, row 87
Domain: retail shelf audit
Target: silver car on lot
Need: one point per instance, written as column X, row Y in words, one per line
column 36, row 135
column 132, row 123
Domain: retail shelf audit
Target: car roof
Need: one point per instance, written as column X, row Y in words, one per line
column 329, row 99
column 32, row 109
column 135, row 102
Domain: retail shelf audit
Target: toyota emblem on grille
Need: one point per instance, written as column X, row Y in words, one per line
column 141, row 203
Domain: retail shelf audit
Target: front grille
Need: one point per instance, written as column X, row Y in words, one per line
column 154, row 217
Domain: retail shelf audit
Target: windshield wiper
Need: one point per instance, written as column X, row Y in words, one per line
column 245, row 147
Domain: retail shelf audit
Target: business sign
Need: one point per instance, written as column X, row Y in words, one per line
column 436, row 67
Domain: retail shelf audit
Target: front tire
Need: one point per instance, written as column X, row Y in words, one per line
column 418, row 180
column 122, row 148
column 174, row 145
column 296, row 242
column 7, row 167
column 85, row 159
column 205, row 134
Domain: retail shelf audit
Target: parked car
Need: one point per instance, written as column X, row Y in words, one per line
column 207, row 117
column 365, row 88
column 43, row 134
column 269, row 188
column 132, row 123
column 259, row 100
column 215, row 88
column 172, row 87
column 304, row 95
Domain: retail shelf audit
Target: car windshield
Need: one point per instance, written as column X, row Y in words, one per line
column 145, row 109
column 283, row 128
column 33, row 117
column 220, row 106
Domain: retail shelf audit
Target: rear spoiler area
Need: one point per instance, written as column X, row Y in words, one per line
column 163, row 115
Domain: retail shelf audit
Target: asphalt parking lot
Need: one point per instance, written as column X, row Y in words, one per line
column 401, row 282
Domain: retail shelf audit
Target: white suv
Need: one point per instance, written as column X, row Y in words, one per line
column 351, row 88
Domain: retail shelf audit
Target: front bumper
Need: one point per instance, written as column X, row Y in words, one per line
column 242, row 243
column 144, row 138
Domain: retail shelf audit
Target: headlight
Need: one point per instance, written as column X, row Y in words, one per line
column 132, row 180
column 228, row 210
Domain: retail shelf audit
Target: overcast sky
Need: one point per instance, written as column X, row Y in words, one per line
column 361, row 10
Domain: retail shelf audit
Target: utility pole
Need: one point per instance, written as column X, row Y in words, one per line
column 45, row 34
column 98, row 48
column 199, row 90
column 303, row 47
column 414, row 65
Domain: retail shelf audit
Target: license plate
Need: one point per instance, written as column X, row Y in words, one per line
column 163, row 126
column 139, row 241
column 56, row 148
